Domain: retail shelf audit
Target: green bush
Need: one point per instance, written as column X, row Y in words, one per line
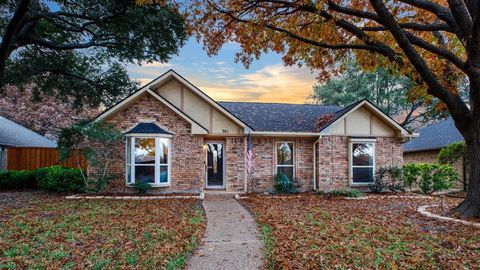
column 59, row 179
column 283, row 184
column 430, row 177
column 142, row 187
column 388, row 179
column 351, row 193
column 17, row 179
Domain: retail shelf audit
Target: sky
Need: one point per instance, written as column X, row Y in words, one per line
column 266, row 80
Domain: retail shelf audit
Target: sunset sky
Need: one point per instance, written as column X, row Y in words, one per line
column 267, row 80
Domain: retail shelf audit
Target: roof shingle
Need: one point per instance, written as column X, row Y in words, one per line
column 434, row 137
column 280, row 117
column 13, row 134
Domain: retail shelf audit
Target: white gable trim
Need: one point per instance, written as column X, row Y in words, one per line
column 159, row 81
column 196, row 128
column 378, row 112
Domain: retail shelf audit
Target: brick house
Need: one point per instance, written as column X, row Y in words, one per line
column 178, row 139
column 431, row 139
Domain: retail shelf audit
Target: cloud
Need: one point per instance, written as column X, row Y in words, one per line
column 273, row 83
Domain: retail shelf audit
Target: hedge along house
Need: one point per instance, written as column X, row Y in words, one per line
column 180, row 140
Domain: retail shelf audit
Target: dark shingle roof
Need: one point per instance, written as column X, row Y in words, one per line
column 280, row 117
column 148, row 128
column 435, row 136
column 13, row 134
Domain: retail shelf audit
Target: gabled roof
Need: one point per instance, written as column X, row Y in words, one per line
column 279, row 117
column 148, row 128
column 159, row 81
column 13, row 134
column 435, row 136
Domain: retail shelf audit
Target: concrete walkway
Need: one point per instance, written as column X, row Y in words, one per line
column 232, row 239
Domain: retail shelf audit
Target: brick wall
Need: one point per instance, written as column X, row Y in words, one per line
column 264, row 163
column 187, row 167
column 332, row 159
column 235, row 163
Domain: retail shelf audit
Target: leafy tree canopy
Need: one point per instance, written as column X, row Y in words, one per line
column 390, row 92
column 77, row 48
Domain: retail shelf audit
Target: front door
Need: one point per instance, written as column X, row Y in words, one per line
column 215, row 165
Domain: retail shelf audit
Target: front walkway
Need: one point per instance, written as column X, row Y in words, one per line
column 232, row 239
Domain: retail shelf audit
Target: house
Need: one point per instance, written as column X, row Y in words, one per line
column 181, row 140
column 427, row 146
column 13, row 135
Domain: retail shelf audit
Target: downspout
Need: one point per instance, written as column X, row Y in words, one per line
column 315, row 163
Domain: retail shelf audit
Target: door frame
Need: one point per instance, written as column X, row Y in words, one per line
column 224, row 176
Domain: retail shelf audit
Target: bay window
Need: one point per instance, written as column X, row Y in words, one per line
column 285, row 159
column 362, row 161
column 148, row 160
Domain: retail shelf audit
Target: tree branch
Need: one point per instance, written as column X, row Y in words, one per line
column 413, row 26
column 456, row 105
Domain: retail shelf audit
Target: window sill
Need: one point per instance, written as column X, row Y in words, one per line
column 152, row 185
column 361, row 184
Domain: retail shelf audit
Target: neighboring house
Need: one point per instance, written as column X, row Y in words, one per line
column 180, row 140
column 427, row 146
column 13, row 135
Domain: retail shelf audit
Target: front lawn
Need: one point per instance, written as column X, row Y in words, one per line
column 311, row 232
column 44, row 231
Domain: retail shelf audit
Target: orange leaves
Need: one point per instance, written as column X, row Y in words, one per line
column 312, row 232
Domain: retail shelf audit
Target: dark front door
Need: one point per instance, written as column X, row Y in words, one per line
column 215, row 157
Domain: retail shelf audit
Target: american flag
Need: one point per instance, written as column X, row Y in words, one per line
column 249, row 154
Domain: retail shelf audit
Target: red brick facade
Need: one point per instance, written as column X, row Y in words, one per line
column 188, row 155
column 187, row 167
column 333, row 160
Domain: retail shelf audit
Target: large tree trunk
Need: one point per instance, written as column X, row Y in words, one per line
column 470, row 207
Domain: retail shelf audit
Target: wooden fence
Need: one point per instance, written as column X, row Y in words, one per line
column 29, row 158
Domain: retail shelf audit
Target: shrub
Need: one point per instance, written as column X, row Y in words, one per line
column 142, row 187
column 59, row 179
column 17, row 179
column 387, row 179
column 430, row 177
column 283, row 184
column 351, row 193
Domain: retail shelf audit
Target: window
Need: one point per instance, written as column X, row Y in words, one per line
column 285, row 159
column 148, row 160
column 362, row 160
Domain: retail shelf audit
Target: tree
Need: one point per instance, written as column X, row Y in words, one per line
column 434, row 42
column 46, row 116
column 97, row 143
column 387, row 91
column 75, row 48
column 453, row 153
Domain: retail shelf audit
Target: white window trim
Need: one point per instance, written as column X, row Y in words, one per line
column 157, row 164
column 350, row 161
column 293, row 156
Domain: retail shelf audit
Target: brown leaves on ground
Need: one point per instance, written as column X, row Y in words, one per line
column 52, row 232
column 311, row 232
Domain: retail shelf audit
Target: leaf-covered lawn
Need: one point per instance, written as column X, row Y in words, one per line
column 40, row 231
column 312, row 232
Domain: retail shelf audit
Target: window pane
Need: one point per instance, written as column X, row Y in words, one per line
column 145, row 174
column 362, row 154
column 129, row 174
column 163, row 174
column 362, row 175
column 285, row 153
column 129, row 152
column 144, row 150
column 286, row 170
column 164, row 143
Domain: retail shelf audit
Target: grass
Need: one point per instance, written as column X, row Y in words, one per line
column 313, row 232
column 51, row 232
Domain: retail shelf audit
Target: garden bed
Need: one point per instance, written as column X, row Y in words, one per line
column 445, row 209
column 383, row 232
column 47, row 231
column 136, row 196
